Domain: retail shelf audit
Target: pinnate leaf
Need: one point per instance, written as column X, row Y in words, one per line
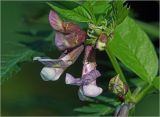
column 99, row 109
column 120, row 11
column 78, row 14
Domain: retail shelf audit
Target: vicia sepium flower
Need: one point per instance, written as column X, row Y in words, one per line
column 55, row 67
column 69, row 38
column 87, row 82
column 68, row 35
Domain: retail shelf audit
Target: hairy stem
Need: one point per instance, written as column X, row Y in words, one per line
column 117, row 67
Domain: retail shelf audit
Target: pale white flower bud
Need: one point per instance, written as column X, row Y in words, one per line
column 91, row 90
column 49, row 73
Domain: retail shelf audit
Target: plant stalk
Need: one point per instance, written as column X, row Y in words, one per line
column 117, row 68
column 143, row 93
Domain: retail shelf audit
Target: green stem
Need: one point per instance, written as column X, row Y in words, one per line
column 116, row 65
column 142, row 93
column 117, row 68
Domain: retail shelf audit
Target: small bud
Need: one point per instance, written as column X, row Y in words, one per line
column 101, row 43
column 117, row 86
column 53, row 74
column 122, row 110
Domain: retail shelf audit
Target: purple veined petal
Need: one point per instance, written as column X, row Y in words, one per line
column 88, row 67
column 91, row 90
column 60, row 41
column 71, row 27
column 71, row 80
column 90, row 77
column 72, row 56
column 89, row 54
column 81, row 96
column 52, row 74
column 56, row 63
column 63, row 54
column 75, row 38
column 89, row 60
column 55, row 21
column 68, row 41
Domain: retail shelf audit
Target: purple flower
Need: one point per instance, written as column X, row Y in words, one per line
column 68, row 35
column 70, row 38
column 55, row 67
column 87, row 82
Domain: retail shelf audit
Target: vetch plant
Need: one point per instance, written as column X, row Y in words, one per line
column 113, row 31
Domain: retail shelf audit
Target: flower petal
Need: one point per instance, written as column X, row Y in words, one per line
column 53, row 74
column 55, row 21
column 91, row 90
column 72, row 56
column 70, row 27
column 75, row 39
column 56, row 63
column 89, row 56
column 68, row 41
column 71, row 80
column 90, row 77
column 81, row 96
column 60, row 41
column 88, row 67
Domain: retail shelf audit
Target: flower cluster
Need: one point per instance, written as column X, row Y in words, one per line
column 69, row 38
column 87, row 82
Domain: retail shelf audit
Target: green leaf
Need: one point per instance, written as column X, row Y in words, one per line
column 78, row 14
column 133, row 48
column 156, row 82
column 97, row 7
column 98, row 109
column 19, row 43
column 120, row 12
column 108, row 100
column 100, row 7
column 105, row 99
column 104, row 105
